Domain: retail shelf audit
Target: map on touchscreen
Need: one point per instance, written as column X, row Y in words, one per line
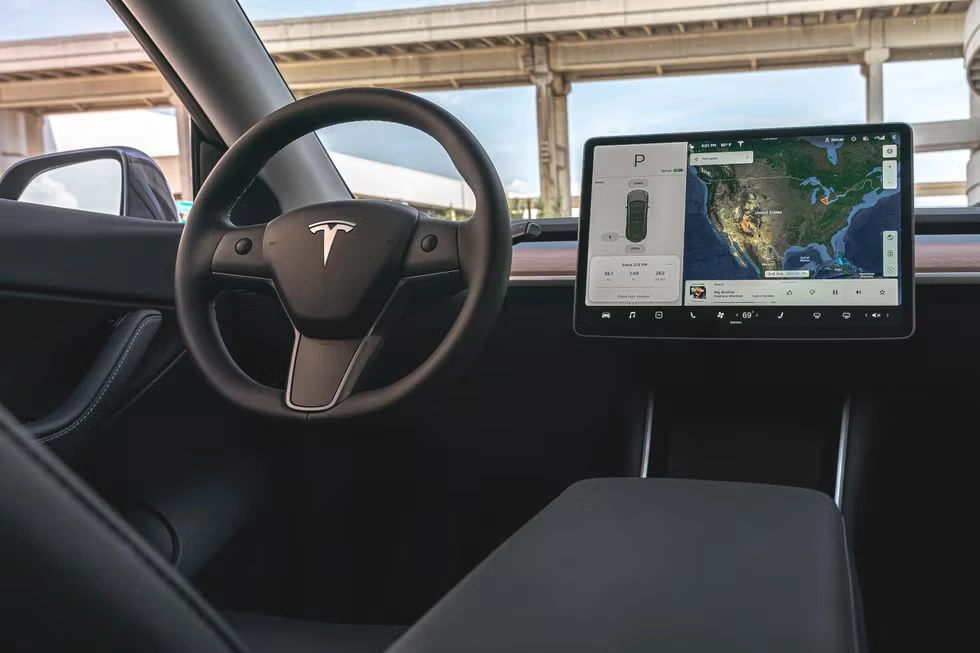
column 788, row 220
column 814, row 204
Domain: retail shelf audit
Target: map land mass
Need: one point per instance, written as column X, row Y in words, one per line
column 791, row 207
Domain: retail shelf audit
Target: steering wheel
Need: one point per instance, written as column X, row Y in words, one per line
column 342, row 269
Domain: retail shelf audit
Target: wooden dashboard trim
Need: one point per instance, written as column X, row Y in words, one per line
column 947, row 257
column 550, row 262
column 929, row 257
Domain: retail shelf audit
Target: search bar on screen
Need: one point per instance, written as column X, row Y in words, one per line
column 787, row 274
column 721, row 158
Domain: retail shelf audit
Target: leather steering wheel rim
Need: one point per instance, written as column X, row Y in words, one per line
column 482, row 249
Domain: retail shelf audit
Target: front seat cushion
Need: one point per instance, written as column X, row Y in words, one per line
column 265, row 634
column 75, row 576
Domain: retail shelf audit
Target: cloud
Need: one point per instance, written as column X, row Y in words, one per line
column 43, row 189
column 150, row 130
column 520, row 188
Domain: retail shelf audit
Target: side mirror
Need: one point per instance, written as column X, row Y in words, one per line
column 116, row 180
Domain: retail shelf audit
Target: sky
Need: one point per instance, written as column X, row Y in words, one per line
column 504, row 119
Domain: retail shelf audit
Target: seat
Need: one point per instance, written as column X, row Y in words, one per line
column 75, row 576
column 265, row 634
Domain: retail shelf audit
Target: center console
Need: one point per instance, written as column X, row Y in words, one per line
column 626, row 565
column 764, row 235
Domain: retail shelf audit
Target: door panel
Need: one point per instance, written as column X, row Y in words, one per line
column 69, row 366
column 89, row 256
column 104, row 387
column 46, row 347
column 75, row 292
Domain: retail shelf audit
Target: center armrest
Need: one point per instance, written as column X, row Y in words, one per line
column 635, row 565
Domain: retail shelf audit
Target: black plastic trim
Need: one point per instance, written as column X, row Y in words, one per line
column 931, row 221
column 556, row 229
column 55, row 251
column 950, row 220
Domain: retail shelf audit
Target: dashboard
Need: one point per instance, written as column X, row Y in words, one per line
column 788, row 233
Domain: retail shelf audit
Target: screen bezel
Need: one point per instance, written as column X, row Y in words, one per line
column 585, row 318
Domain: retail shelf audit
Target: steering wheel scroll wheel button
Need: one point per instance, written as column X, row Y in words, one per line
column 434, row 249
column 429, row 242
column 239, row 254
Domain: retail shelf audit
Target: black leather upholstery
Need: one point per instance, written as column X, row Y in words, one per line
column 628, row 565
column 74, row 576
column 103, row 387
column 612, row 565
column 264, row 634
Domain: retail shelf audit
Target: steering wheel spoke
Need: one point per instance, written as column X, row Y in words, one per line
column 239, row 255
column 324, row 371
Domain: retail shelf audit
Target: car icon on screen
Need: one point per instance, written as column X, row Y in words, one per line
column 637, row 205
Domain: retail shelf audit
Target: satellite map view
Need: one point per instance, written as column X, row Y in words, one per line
column 812, row 203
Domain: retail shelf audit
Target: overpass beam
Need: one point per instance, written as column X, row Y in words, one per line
column 872, row 69
column 552, row 113
column 23, row 134
column 947, row 135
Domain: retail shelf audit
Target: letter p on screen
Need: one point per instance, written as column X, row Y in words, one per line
column 638, row 159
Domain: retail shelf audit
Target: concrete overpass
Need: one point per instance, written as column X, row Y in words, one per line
column 550, row 44
column 367, row 179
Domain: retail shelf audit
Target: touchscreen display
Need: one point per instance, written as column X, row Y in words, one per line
column 782, row 233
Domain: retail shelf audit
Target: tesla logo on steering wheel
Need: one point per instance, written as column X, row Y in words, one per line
column 330, row 229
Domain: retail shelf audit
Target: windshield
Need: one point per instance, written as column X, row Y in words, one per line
column 533, row 79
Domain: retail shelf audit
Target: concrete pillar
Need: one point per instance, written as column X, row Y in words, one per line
column 973, row 165
column 874, row 60
column 552, row 114
column 185, row 166
column 23, row 134
column 562, row 163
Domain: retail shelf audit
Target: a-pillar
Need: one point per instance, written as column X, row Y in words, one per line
column 23, row 134
column 872, row 69
column 552, row 114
